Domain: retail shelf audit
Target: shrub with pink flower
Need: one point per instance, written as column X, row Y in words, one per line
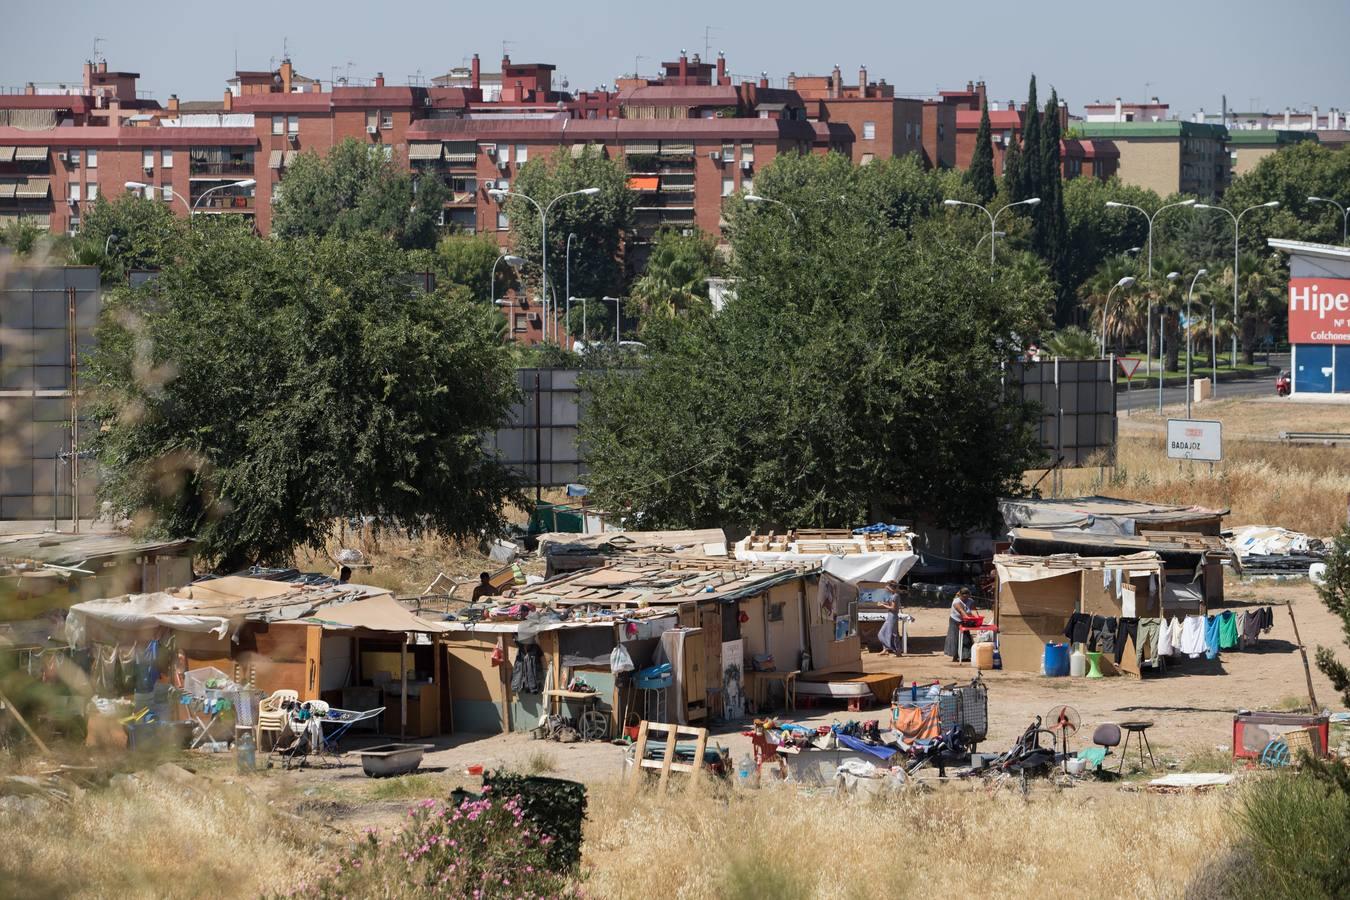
column 484, row 848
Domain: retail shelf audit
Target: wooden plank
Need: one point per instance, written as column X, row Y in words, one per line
column 700, row 746
column 671, row 738
column 640, row 750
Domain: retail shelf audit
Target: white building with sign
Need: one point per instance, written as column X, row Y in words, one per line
column 1319, row 317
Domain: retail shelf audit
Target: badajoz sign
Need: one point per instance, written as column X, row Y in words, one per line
column 1195, row 439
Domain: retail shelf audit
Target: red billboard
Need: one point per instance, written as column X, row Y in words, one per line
column 1319, row 310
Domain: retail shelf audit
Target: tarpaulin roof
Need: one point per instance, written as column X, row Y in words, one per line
column 1100, row 514
column 380, row 613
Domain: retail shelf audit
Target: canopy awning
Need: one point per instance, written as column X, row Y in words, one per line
column 275, row 158
column 6, row 154
column 579, row 150
column 424, row 150
column 34, row 188
column 677, row 148
column 643, row 182
column 30, row 154
column 461, row 151
column 642, row 147
column 381, row 613
column 7, row 189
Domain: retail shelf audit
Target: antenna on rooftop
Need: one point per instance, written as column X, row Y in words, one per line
column 285, row 48
column 97, row 41
column 507, row 45
column 707, row 39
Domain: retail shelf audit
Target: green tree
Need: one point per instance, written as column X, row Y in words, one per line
column 598, row 221
column 468, row 259
column 1095, row 232
column 1031, row 168
column 675, row 282
column 1070, row 343
column 981, row 171
column 1335, row 594
column 260, row 390
column 1261, row 299
column 1012, row 171
column 137, row 233
column 804, row 401
column 1291, row 175
column 1127, row 316
column 357, row 188
column 1050, row 233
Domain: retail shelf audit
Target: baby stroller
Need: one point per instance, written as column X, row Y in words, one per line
column 951, row 747
column 1025, row 759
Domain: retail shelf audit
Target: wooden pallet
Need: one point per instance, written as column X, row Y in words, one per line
column 667, row 763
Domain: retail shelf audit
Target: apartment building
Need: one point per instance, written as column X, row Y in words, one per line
column 1167, row 156
column 883, row 124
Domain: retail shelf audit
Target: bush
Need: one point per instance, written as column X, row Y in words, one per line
column 1298, row 833
column 481, row 848
column 556, row 808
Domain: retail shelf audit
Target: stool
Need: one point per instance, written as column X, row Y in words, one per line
column 1094, row 664
column 1140, row 731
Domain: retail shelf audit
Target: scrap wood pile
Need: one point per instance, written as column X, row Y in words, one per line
column 1271, row 550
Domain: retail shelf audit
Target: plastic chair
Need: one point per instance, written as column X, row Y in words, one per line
column 1106, row 736
column 271, row 715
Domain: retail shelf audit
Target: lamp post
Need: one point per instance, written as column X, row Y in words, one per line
column 1237, row 221
column 756, row 198
column 1112, row 204
column 997, row 234
column 993, row 221
column 192, row 207
column 1125, row 282
column 567, row 280
column 1162, row 333
column 514, row 262
column 1189, row 295
column 1345, row 216
column 497, row 194
column 617, row 319
column 108, row 242
column 582, row 301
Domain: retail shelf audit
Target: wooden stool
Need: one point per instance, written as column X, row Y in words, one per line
column 1139, row 730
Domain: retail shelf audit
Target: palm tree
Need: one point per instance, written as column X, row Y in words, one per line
column 675, row 282
column 1168, row 299
column 1260, row 298
column 1070, row 343
column 1126, row 318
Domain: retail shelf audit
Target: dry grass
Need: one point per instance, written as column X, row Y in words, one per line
column 953, row 842
column 157, row 839
column 1263, row 483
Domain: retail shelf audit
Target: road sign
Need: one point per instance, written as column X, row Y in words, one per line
column 1194, row 439
column 1129, row 365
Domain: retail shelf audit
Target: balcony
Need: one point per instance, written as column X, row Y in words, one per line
column 231, row 199
column 232, row 169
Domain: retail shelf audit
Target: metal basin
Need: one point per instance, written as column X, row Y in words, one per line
column 392, row 759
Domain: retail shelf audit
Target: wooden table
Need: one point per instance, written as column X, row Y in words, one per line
column 761, row 681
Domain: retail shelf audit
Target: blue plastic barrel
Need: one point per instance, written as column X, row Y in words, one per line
column 1056, row 659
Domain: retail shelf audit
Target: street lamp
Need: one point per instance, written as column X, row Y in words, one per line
column 567, row 280
column 498, row 193
column 617, row 319
column 1189, row 295
column 1345, row 216
column 997, row 234
column 993, row 221
column 582, row 301
column 1162, row 340
column 756, row 198
column 192, row 207
column 1112, row 204
column 1237, row 220
column 514, row 262
column 1125, row 282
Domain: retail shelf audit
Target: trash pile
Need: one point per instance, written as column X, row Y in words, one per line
column 1268, row 550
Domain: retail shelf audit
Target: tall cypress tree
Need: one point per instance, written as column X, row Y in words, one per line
column 1012, row 170
column 1031, row 167
column 1051, row 226
column 980, row 175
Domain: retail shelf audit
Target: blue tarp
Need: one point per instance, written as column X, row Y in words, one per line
column 878, row 750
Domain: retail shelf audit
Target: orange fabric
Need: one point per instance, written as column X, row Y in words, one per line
column 643, row 182
column 916, row 723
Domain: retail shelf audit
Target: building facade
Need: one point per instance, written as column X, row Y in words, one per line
column 1167, row 156
column 1319, row 317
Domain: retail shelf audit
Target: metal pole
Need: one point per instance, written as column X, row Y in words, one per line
column 1162, row 369
column 543, row 256
column 584, row 335
column 538, row 446
column 567, row 282
column 56, row 481
column 1232, row 363
column 617, row 319
column 1213, row 353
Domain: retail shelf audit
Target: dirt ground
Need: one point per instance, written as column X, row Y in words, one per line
column 1191, row 707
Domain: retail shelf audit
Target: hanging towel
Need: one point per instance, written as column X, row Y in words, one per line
column 1212, row 638
column 1165, row 638
column 1228, row 630
column 1176, row 635
column 1193, row 636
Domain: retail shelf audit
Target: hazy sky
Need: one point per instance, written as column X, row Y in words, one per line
column 1188, row 52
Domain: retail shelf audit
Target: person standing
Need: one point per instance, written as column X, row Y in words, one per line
column 889, row 635
column 962, row 606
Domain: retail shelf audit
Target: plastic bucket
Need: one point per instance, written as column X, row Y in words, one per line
column 1056, row 660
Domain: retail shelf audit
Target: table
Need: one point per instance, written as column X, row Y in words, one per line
column 760, row 687
column 1140, row 730
column 905, row 619
column 969, row 629
column 592, row 724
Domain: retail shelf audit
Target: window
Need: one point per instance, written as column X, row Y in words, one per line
column 748, row 185
column 147, row 159
column 388, row 151
column 502, row 222
column 909, row 131
column 503, row 184
column 372, row 118
column 918, row 131
column 519, row 323
column 167, row 192
column 74, row 157
column 73, row 192
column 386, row 119
column 166, row 159
column 91, row 159
column 93, row 192
column 522, row 154
column 278, row 124
column 747, row 152
column 866, row 158
column 729, row 151
column 869, row 131
column 74, row 225
column 728, row 186
column 292, row 124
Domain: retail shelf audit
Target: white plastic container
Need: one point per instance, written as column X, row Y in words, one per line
column 1077, row 662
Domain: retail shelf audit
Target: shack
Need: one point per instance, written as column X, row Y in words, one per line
column 1109, row 515
column 1036, row 597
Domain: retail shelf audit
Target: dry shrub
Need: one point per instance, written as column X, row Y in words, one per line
column 950, row 842
column 156, row 838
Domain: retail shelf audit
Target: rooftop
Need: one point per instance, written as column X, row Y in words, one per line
column 1168, row 129
column 651, row 581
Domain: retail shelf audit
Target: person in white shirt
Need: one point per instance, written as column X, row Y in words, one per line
column 962, row 606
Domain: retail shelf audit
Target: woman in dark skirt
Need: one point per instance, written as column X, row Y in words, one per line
column 962, row 606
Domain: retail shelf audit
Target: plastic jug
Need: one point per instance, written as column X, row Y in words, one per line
column 745, row 768
column 246, row 752
column 1078, row 662
column 982, row 655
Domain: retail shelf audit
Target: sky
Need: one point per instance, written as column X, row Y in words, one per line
column 1265, row 55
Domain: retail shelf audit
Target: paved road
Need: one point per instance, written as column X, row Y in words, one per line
column 1143, row 398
